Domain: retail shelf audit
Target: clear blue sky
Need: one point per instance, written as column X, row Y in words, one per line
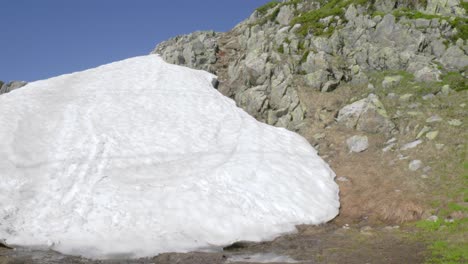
column 44, row 38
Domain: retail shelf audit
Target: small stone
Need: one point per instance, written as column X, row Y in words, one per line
column 462, row 105
column 433, row 218
column 392, row 96
column 440, row 146
column 357, row 143
column 411, row 145
column 389, row 147
column 427, row 169
column 446, row 90
column 424, row 176
column 391, row 81
column 449, row 220
column 406, row 97
column 319, row 136
column 434, row 118
column 392, row 140
column 366, row 230
column 414, row 105
column 455, row 122
column 423, row 131
column 415, row 165
column 432, row 135
column 414, row 113
column 342, row 179
column 402, row 157
column 428, row 97
column 370, row 86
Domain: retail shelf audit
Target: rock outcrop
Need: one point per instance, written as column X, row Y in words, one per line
column 266, row 60
column 8, row 87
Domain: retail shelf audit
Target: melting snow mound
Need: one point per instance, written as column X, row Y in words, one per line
column 140, row 157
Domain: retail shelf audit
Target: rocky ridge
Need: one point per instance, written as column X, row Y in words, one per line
column 265, row 61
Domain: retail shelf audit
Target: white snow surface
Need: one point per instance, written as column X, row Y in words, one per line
column 140, row 157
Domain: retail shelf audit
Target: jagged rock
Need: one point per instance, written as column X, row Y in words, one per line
column 255, row 65
column 357, row 143
column 411, row 145
column 8, row 87
column 330, row 86
column 454, row 58
column 262, row 52
column 368, row 115
column 423, row 131
column 285, row 15
column 445, row 7
column 432, row 135
column 196, row 50
column 391, row 81
column 438, row 47
column 427, row 74
column 317, row 79
column 434, row 118
column 316, row 61
column 253, row 100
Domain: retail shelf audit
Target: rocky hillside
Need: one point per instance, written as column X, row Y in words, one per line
column 378, row 87
column 283, row 48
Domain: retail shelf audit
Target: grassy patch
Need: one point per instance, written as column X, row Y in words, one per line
column 310, row 21
column 281, row 49
column 412, row 14
column 264, row 8
column 459, row 23
column 446, row 253
column 456, row 81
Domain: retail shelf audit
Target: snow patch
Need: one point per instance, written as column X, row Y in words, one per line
column 140, row 157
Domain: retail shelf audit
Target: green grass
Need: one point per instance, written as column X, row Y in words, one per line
column 281, row 49
column 447, row 240
column 460, row 23
column 412, row 14
column 264, row 8
column 446, row 253
column 310, row 21
column 456, row 81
